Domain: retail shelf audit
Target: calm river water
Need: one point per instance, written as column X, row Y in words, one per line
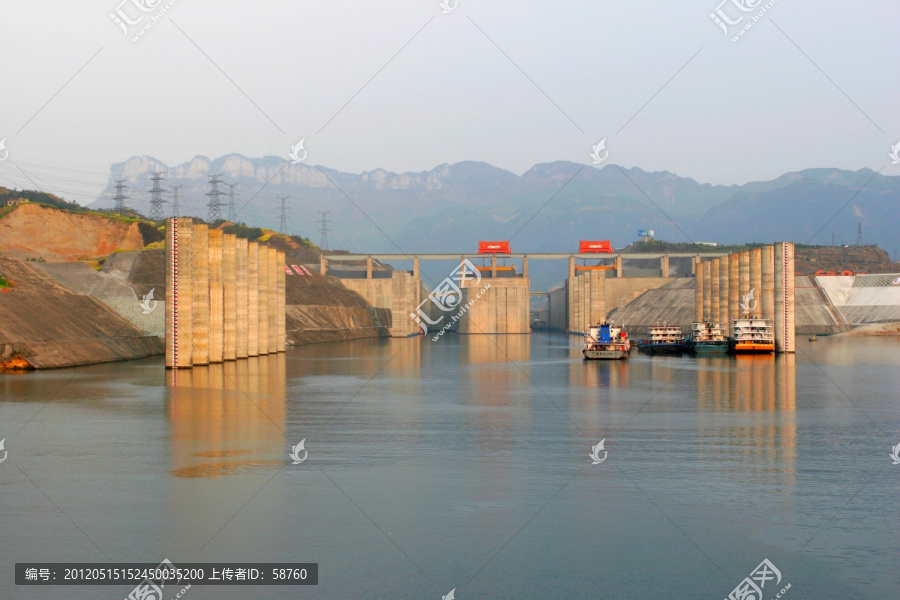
column 463, row 464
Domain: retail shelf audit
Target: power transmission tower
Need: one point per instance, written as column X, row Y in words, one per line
column 832, row 238
column 215, row 212
column 283, row 223
column 859, row 234
column 120, row 197
column 156, row 201
column 176, row 208
column 232, row 212
column 323, row 229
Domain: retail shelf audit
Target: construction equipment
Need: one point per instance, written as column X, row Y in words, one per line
column 494, row 248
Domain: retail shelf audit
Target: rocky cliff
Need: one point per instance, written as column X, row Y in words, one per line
column 56, row 235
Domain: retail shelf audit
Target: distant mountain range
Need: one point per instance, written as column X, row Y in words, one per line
column 548, row 208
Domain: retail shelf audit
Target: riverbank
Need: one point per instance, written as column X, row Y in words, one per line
column 55, row 315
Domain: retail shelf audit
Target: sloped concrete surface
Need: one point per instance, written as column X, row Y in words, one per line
column 53, row 326
column 864, row 299
column 113, row 288
column 672, row 303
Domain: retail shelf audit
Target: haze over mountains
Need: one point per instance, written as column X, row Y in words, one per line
column 548, row 208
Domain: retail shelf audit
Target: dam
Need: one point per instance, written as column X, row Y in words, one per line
column 590, row 293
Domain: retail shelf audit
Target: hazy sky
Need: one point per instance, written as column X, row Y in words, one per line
column 509, row 83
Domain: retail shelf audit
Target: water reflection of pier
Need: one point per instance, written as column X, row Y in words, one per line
column 766, row 389
column 227, row 418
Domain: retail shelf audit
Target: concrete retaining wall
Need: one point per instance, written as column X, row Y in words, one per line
column 401, row 294
column 503, row 308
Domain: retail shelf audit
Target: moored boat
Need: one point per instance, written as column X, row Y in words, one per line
column 707, row 337
column 664, row 339
column 750, row 335
column 606, row 342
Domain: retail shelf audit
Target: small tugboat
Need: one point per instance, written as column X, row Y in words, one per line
column 751, row 336
column 664, row 339
column 606, row 342
column 707, row 337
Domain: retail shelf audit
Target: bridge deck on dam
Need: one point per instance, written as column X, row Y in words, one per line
column 536, row 256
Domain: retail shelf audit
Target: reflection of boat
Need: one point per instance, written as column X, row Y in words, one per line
column 664, row 339
column 606, row 342
column 749, row 335
column 707, row 337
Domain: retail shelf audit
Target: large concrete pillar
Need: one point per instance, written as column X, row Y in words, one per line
column 744, row 278
column 784, row 297
column 229, row 282
column 525, row 271
column 272, row 273
column 734, row 285
column 416, row 268
column 179, row 293
column 493, row 266
column 707, row 290
column 756, row 280
column 263, row 253
column 252, row 299
column 368, row 267
column 620, row 266
column 280, row 316
column 698, row 291
column 216, row 297
column 768, row 282
column 723, row 290
column 242, row 312
column 323, row 267
column 597, row 302
column 200, row 291
column 570, row 296
column 714, row 292
column 664, row 265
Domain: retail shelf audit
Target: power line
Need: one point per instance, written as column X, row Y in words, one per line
column 215, row 211
column 283, row 223
column 120, row 197
column 176, row 208
column 323, row 229
column 156, row 201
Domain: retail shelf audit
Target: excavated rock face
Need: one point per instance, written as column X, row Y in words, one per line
column 63, row 236
column 321, row 309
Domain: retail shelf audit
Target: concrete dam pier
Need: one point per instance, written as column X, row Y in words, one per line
column 225, row 297
column 755, row 283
